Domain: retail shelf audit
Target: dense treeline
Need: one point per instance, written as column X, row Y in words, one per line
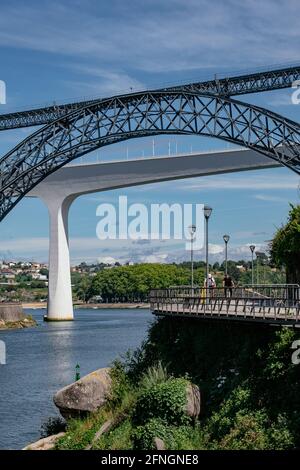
column 285, row 246
column 132, row 283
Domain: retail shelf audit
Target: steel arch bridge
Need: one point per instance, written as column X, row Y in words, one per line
column 138, row 115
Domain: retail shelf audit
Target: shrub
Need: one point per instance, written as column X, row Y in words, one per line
column 120, row 384
column 52, row 425
column 143, row 436
column 166, row 400
column 154, row 375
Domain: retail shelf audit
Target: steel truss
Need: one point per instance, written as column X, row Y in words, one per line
column 140, row 115
column 229, row 86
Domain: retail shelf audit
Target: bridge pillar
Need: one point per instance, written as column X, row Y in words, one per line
column 60, row 305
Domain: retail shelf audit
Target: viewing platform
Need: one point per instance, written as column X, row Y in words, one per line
column 274, row 304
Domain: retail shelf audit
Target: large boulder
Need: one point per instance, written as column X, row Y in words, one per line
column 193, row 397
column 84, row 396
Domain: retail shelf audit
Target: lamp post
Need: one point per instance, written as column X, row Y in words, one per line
column 257, row 267
column 226, row 239
column 192, row 230
column 252, row 248
column 207, row 213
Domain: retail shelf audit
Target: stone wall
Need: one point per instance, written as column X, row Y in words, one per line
column 11, row 312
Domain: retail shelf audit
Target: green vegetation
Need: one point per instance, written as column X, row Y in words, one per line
column 250, row 391
column 133, row 283
column 285, row 247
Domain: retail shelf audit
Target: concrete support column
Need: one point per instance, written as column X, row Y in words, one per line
column 60, row 305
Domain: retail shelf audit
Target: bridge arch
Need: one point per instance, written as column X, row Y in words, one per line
column 140, row 115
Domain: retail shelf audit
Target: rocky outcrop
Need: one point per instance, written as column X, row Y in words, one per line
column 193, row 396
column 84, row 396
column 47, row 443
column 13, row 318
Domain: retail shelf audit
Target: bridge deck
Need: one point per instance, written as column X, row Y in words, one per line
column 246, row 304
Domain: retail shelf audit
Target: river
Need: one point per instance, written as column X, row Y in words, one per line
column 41, row 360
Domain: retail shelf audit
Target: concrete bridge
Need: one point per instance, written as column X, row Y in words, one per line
column 61, row 188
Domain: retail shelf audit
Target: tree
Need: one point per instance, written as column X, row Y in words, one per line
column 285, row 246
column 83, row 289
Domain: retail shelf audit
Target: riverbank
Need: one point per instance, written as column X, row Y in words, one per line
column 124, row 305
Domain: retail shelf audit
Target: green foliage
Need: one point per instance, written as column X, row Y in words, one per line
column 120, row 389
column 154, row 375
column 53, row 425
column 165, row 400
column 255, row 432
column 143, row 436
column 133, row 283
column 83, row 287
column 222, row 420
column 174, row 437
column 80, row 432
column 119, row 438
column 285, row 246
column 250, row 390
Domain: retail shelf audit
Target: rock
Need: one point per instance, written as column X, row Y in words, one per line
column 46, row 443
column 193, row 400
column 84, row 396
column 159, row 444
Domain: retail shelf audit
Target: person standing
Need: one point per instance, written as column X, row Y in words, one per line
column 209, row 285
column 228, row 285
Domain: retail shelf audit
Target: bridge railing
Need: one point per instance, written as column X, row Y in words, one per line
column 278, row 301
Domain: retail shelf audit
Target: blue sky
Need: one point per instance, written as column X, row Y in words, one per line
column 68, row 50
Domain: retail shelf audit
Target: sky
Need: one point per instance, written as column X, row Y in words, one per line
column 71, row 50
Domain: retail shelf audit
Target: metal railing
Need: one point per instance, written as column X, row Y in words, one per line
column 277, row 302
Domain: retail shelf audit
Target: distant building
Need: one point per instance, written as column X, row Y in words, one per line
column 7, row 274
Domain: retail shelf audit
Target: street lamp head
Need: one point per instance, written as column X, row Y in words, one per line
column 207, row 211
column 226, row 238
column 252, row 248
column 192, row 229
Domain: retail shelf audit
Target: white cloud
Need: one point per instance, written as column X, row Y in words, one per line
column 157, row 36
column 215, row 249
column 111, row 251
column 107, row 260
column 244, row 182
column 159, row 258
column 266, row 197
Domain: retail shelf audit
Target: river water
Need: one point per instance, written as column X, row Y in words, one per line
column 41, row 360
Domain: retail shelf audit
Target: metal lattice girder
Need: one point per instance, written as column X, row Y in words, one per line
column 139, row 115
column 230, row 86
